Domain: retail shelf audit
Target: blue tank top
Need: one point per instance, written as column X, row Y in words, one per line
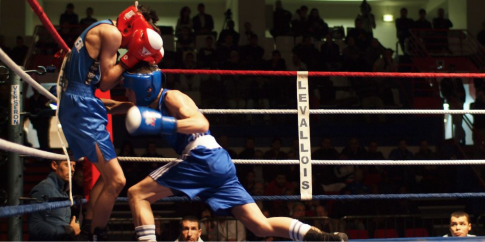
column 177, row 141
column 82, row 72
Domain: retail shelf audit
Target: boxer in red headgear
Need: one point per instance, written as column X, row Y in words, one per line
column 92, row 64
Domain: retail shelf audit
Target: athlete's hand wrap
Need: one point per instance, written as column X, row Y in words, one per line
column 146, row 121
column 145, row 45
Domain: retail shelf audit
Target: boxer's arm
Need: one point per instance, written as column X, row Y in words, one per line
column 110, row 71
column 116, row 107
column 189, row 119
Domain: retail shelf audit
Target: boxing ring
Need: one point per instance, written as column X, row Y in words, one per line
column 14, row 211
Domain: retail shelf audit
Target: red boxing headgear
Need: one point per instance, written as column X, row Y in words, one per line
column 128, row 21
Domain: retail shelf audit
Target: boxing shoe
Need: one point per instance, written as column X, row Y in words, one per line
column 315, row 234
column 85, row 230
column 99, row 235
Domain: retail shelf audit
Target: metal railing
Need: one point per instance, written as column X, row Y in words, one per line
column 217, row 229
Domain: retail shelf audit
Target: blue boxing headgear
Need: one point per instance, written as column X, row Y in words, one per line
column 146, row 86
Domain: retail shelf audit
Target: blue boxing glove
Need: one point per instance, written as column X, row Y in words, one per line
column 146, row 121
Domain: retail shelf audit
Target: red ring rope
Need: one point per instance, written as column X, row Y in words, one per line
column 323, row 74
column 47, row 23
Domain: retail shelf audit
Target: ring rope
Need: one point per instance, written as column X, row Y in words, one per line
column 324, row 74
column 340, row 111
column 21, row 149
column 17, row 148
column 31, row 208
column 9, row 211
column 319, row 162
column 24, row 76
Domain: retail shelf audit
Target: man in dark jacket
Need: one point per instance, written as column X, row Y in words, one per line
column 203, row 23
column 55, row 224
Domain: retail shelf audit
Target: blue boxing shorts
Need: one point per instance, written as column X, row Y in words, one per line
column 84, row 118
column 206, row 171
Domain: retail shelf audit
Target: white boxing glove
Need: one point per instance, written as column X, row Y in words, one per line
column 146, row 121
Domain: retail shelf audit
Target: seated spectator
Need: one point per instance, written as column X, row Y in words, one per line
column 330, row 53
column 19, row 52
column 203, row 23
column 306, row 51
column 425, row 153
column 184, row 21
column 189, row 229
column 235, row 88
column 351, row 56
column 460, row 225
column 401, row 152
column 88, row 20
column 151, row 151
column 252, row 54
column 207, row 225
column 276, row 63
column 373, row 53
column 258, row 98
column 190, row 84
column 69, row 16
column 373, row 153
column 317, row 28
column 298, row 211
column 326, row 151
column 354, row 151
column 248, row 151
column 361, row 37
column 206, row 56
column 224, row 51
column 296, row 64
column 278, row 186
column 249, row 181
column 357, row 186
column 386, row 63
column 246, row 35
column 231, row 230
column 229, row 31
column 54, row 224
column 299, row 22
column 185, row 41
column 325, row 224
column 275, row 153
column 281, row 20
column 223, row 140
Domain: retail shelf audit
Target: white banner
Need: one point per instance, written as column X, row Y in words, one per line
column 15, row 115
column 304, row 135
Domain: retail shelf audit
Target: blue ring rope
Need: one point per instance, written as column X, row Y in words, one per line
column 9, row 211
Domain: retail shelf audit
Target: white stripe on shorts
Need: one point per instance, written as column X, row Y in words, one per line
column 161, row 170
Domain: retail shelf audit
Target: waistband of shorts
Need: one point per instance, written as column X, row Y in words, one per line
column 208, row 141
column 80, row 88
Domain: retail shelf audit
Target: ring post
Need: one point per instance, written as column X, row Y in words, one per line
column 15, row 173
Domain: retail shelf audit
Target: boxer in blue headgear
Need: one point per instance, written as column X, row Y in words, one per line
column 205, row 169
column 146, row 86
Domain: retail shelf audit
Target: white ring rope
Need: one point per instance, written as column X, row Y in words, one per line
column 320, row 162
column 13, row 147
column 20, row 149
column 340, row 111
column 24, row 76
